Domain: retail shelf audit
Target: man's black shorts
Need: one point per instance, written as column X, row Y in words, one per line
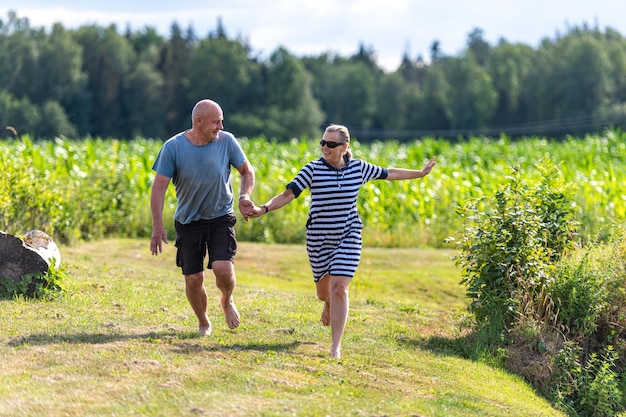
column 193, row 240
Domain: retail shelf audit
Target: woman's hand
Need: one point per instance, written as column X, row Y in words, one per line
column 429, row 166
column 256, row 211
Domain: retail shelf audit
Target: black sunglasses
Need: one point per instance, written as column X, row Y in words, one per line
column 331, row 145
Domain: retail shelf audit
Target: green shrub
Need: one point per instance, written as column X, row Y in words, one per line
column 557, row 312
column 507, row 253
column 581, row 295
column 589, row 389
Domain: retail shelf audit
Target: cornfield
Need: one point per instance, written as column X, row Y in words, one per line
column 94, row 188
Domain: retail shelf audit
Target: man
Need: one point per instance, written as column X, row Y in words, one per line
column 198, row 161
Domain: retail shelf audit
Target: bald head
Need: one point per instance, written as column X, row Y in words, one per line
column 204, row 108
column 206, row 122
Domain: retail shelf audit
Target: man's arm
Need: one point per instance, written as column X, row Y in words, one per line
column 157, row 201
column 247, row 185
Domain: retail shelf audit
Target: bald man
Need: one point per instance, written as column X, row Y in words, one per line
column 198, row 161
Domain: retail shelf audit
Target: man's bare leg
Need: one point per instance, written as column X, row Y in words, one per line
column 225, row 280
column 197, row 296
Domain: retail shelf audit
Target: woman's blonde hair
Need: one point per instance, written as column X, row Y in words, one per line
column 343, row 134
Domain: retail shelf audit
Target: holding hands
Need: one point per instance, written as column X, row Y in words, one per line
column 248, row 209
column 256, row 211
column 245, row 206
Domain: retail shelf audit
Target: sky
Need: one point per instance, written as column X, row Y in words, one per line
column 391, row 28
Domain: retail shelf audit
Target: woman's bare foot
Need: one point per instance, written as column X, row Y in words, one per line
column 335, row 352
column 326, row 314
column 231, row 314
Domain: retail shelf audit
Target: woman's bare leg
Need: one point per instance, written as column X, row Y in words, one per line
column 339, row 305
column 333, row 290
column 323, row 293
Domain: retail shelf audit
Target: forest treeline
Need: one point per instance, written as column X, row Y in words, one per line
column 95, row 81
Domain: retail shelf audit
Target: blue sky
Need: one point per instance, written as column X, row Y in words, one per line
column 310, row 27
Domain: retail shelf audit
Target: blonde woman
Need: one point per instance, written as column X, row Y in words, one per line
column 333, row 235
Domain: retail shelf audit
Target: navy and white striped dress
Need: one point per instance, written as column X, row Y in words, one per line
column 333, row 236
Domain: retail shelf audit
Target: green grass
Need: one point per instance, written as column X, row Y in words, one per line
column 122, row 341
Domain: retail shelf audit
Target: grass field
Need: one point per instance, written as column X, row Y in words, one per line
column 122, row 342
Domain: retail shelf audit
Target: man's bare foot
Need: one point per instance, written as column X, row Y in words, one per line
column 335, row 352
column 326, row 314
column 205, row 330
column 231, row 314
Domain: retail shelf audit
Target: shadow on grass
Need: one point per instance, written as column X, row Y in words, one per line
column 186, row 348
column 462, row 347
column 171, row 337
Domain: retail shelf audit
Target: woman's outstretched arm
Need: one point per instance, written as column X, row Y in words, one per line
column 409, row 174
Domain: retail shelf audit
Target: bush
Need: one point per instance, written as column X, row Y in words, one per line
column 590, row 388
column 558, row 313
column 581, row 294
column 507, row 254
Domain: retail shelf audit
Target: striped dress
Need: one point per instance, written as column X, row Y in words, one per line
column 333, row 235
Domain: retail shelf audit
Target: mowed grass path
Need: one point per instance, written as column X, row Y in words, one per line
column 122, row 342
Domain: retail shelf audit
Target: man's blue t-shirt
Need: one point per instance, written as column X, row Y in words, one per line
column 201, row 175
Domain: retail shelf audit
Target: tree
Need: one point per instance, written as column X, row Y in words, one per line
column 290, row 104
column 349, row 95
column 219, row 70
column 393, row 102
column 175, row 67
column 540, row 96
column 585, row 70
column 472, row 98
column 20, row 114
column 321, row 69
column 143, row 99
column 367, row 55
column 148, row 45
column 478, row 46
column 614, row 112
column 429, row 110
column 54, row 122
column 615, row 45
column 107, row 58
column 18, row 56
column 570, row 81
column 412, row 71
column 509, row 68
column 61, row 59
column 435, row 52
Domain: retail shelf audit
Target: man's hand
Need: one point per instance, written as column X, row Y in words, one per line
column 158, row 236
column 246, row 207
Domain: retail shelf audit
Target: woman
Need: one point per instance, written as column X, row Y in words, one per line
column 333, row 236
